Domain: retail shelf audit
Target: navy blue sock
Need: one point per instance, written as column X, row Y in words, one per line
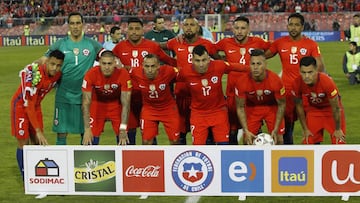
column 132, row 136
column 154, row 141
column 20, row 161
column 222, row 143
column 182, row 139
column 96, row 140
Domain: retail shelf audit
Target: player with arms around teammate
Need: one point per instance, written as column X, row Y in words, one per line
column 208, row 105
column 182, row 47
column 237, row 49
column 80, row 54
column 106, row 97
column 291, row 49
column 159, row 105
column 324, row 110
column 260, row 97
column 26, row 114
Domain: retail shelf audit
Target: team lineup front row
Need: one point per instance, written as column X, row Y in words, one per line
column 139, row 94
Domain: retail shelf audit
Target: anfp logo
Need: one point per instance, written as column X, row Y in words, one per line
column 341, row 171
column 242, row 170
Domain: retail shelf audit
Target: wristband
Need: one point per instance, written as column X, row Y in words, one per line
column 123, row 126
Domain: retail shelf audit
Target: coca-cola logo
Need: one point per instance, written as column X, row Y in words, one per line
column 145, row 172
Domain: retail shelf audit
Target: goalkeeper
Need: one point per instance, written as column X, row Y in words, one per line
column 26, row 115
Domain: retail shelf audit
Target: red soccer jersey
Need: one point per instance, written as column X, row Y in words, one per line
column 318, row 95
column 264, row 93
column 291, row 52
column 106, row 89
column 42, row 88
column 206, row 89
column 239, row 53
column 133, row 55
column 156, row 94
column 183, row 50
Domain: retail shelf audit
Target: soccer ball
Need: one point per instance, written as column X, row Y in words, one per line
column 263, row 139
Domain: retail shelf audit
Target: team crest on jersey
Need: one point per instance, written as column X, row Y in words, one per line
column 144, row 53
column 313, row 94
column 86, row 52
column 267, row 92
column 152, row 87
column 106, row 87
column 293, row 50
column 192, row 171
column 190, row 49
column 204, row 82
column 162, row 86
column 242, row 51
column 259, row 92
column 76, row 51
column 21, row 132
column 214, row 79
column 135, row 53
column 114, row 86
column 303, row 51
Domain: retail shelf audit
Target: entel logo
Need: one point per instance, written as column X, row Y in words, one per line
column 242, row 171
column 238, row 170
column 341, row 171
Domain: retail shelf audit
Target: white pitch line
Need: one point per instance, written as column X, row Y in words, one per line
column 192, row 199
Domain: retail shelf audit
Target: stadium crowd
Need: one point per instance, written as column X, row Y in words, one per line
column 38, row 9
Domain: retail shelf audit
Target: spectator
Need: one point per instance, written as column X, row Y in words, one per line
column 354, row 32
column 351, row 64
column 336, row 25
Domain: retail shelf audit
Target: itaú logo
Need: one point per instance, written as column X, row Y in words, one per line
column 341, row 171
column 145, row 172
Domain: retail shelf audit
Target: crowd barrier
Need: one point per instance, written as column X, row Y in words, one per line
column 41, row 40
column 298, row 170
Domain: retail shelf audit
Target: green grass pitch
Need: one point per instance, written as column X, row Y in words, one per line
column 15, row 58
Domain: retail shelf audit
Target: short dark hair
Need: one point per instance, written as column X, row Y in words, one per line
column 353, row 43
column 151, row 56
column 242, row 18
column 75, row 14
column 297, row 15
column 157, row 17
column 199, row 50
column 107, row 53
column 356, row 15
column 307, row 61
column 57, row 54
column 114, row 29
column 257, row 52
column 190, row 17
column 135, row 20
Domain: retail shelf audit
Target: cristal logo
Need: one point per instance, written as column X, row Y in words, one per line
column 146, row 172
column 341, row 171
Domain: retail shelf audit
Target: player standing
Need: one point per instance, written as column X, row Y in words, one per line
column 237, row 49
column 291, row 49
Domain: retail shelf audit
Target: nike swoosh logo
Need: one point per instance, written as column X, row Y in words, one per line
column 193, row 83
column 141, row 86
column 284, row 50
column 180, row 49
column 65, row 52
column 232, row 51
column 124, row 54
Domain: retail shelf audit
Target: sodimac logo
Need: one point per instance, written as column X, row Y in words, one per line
column 341, row 171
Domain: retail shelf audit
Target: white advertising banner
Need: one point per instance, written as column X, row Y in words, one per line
column 297, row 170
